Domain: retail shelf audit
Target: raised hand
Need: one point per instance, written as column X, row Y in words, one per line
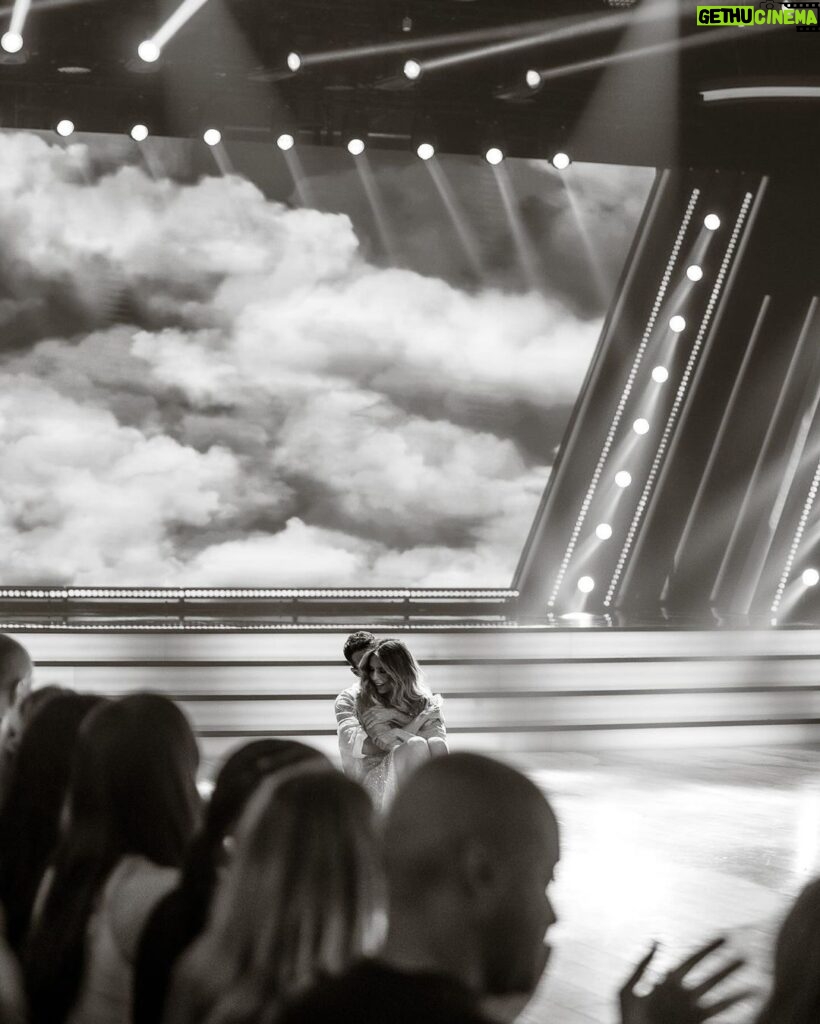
column 672, row 1002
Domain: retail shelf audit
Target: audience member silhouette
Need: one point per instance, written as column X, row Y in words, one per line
column 471, row 846
column 16, row 671
column 795, row 994
column 302, row 899
column 180, row 917
column 389, row 723
column 132, row 810
column 33, row 802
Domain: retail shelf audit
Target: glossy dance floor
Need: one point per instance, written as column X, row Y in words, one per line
column 679, row 847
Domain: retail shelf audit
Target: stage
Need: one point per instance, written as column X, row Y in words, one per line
column 678, row 847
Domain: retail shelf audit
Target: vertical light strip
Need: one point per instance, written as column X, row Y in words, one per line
column 679, row 397
column 808, row 505
column 616, row 420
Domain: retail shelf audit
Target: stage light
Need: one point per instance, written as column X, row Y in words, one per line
column 494, row 156
column 810, row 577
column 412, row 70
column 603, row 531
column 641, row 426
column 586, row 584
column 711, row 222
column 356, row 147
column 677, row 324
column 294, row 61
column 12, row 42
column 149, row 51
column 561, row 161
column 212, row 137
column 694, row 273
column 139, row 133
column 533, row 79
column 285, row 142
column 65, row 128
column 660, row 374
column 623, row 478
column 426, row 151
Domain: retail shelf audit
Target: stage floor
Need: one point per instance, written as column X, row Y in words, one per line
column 679, row 847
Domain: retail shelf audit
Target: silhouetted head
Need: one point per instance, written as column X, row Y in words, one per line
column 795, row 996
column 302, row 898
column 31, row 811
column 391, row 676
column 471, row 846
column 132, row 792
column 242, row 773
column 355, row 646
column 134, row 781
column 15, row 683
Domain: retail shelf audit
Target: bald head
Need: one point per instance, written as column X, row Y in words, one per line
column 15, row 671
column 471, row 846
column 459, row 799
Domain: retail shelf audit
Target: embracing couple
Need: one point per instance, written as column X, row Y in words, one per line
column 389, row 722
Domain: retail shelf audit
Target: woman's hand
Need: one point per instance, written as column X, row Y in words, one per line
column 670, row 1001
column 374, row 718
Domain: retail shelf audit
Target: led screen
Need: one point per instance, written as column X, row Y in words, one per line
column 242, row 367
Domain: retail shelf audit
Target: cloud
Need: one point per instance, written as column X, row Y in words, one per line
column 88, row 501
column 227, row 391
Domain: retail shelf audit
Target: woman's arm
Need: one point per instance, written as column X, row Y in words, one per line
column 381, row 728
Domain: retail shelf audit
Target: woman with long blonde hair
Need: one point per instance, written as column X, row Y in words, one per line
column 302, row 898
column 390, row 722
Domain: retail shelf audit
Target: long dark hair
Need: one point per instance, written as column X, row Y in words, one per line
column 179, row 918
column 302, row 899
column 795, row 995
column 132, row 791
column 237, row 780
column 30, row 814
column 408, row 692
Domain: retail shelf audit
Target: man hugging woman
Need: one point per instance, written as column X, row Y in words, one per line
column 389, row 722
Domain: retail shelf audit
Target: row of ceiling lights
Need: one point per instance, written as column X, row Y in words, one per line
column 355, row 146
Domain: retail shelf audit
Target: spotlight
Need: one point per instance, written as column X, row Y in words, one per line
column 677, row 324
column 811, row 577
column 212, row 136
column 494, row 156
column 426, row 151
column 603, row 531
column 711, row 222
column 412, row 70
column 561, row 161
column 623, row 478
column 533, row 78
column 355, row 147
column 641, row 426
column 149, row 51
column 694, row 273
column 65, row 128
column 586, row 584
column 660, row 374
column 294, row 61
column 139, row 133
column 285, row 142
column 12, row 42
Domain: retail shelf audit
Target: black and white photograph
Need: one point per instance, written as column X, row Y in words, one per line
column 409, row 535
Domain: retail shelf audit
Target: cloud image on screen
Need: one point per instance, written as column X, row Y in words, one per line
column 356, row 377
